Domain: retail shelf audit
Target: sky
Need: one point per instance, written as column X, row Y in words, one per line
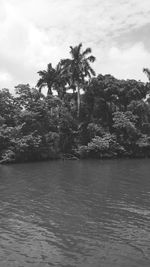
column 34, row 33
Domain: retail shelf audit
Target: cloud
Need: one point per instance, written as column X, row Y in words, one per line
column 36, row 32
column 127, row 63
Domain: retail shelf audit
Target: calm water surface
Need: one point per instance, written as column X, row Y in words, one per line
column 75, row 213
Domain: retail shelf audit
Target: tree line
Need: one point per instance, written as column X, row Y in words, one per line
column 83, row 115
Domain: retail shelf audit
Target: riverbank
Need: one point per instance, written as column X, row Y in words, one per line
column 78, row 157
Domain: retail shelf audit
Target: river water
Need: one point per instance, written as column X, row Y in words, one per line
column 75, row 213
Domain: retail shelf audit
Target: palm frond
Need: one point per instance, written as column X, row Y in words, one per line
column 87, row 51
column 79, row 48
column 39, row 83
column 75, row 51
column 42, row 72
column 89, row 68
column 91, row 58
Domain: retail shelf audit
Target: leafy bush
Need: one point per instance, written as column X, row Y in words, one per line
column 102, row 147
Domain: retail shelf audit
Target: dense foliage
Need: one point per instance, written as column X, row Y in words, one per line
column 83, row 115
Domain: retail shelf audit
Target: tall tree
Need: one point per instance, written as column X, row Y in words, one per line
column 46, row 78
column 78, row 69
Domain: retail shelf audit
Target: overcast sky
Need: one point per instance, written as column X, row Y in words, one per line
column 36, row 32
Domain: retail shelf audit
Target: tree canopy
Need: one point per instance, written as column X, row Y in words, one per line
column 110, row 118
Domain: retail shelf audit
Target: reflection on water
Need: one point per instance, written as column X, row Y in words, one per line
column 75, row 213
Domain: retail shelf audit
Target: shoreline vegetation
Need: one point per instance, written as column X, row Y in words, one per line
column 83, row 115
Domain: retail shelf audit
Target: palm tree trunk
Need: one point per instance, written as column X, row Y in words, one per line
column 78, row 100
column 49, row 92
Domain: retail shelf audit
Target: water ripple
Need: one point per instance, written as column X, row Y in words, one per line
column 85, row 214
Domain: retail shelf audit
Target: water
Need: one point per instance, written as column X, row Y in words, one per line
column 75, row 213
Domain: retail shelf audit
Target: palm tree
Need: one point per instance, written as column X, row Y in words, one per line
column 60, row 81
column 78, row 68
column 47, row 78
column 53, row 78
